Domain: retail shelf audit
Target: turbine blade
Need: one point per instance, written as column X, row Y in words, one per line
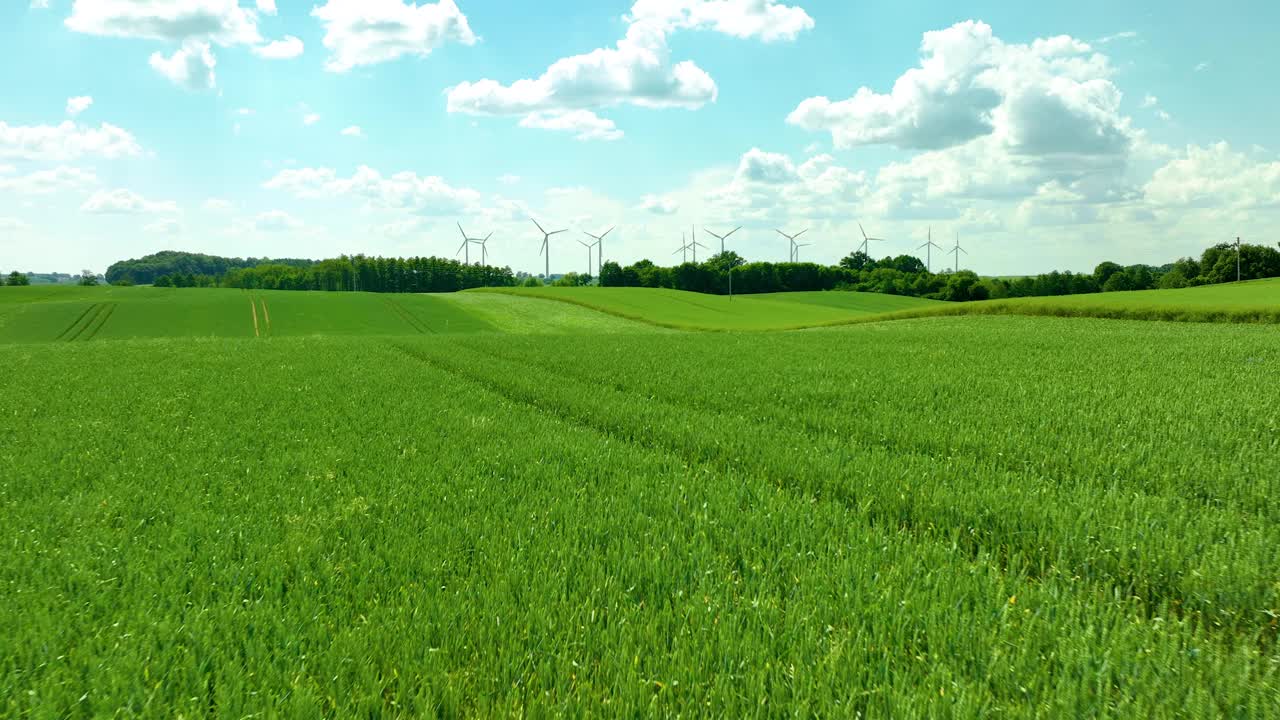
column 464, row 232
column 733, row 231
column 802, row 232
column 557, row 232
column 486, row 237
column 606, row 232
column 535, row 222
column 864, row 232
column 782, row 233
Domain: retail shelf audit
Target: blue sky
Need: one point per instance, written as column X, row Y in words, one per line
column 1048, row 135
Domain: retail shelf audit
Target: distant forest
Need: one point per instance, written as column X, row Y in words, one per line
column 146, row 270
column 901, row 275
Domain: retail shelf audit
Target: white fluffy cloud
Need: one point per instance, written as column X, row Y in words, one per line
column 637, row 71
column 585, row 124
column 222, row 22
column 367, row 32
column 77, row 105
column 285, row 49
column 404, row 190
column 352, row 131
column 275, row 221
column 768, row 20
column 1052, row 96
column 1215, row 176
column 45, row 182
column 191, row 67
column 310, row 119
column 66, row 141
column 125, row 202
column 267, row 6
column 771, row 187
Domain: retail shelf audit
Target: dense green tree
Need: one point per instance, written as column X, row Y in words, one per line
column 532, row 282
column 856, row 260
column 16, row 279
column 88, row 278
column 611, row 274
column 1103, row 272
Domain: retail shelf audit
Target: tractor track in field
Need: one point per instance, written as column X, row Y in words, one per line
column 90, row 321
column 413, row 322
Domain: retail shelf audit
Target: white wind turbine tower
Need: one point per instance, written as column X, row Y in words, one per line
column 929, row 246
column 599, row 243
column 721, row 238
column 798, row 246
column 588, row 246
column 484, row 249
column 546, row 247
column 866, row 241
column 466, row 244
column 684, row 248
column 693, row 246
column 957, row 250
column 792, row 239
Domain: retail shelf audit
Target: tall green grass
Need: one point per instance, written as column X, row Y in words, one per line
column 966, row 517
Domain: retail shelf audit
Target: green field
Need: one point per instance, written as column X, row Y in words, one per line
column 491, row 504
column 695, row 311
column 1251, row 301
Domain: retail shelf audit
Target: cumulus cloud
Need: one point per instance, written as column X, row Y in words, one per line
column 191, row 67
column 267, row 6
column 66, row 141
column 353, row 131
column 310, row 118
column 1215, row 176
column 285, row 49
column 585, row 124
column 275, row 221
column 768, row 186
column 125, row 202
column 638, row 70
column 404, row 190
column 45, row 182
column 77, row 105
column 222, row 22
column 768, row 20
column 1053, row 95
column 367, row 32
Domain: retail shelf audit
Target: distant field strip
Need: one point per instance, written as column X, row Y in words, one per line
column 1249, row 302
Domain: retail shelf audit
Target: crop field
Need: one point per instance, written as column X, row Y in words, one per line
column 1252, row 301
column 986, row 516
column 696, row 311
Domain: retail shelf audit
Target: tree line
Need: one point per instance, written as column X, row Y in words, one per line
column 174, row 264
column 907, row 275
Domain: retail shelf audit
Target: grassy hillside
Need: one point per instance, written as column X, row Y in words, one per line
column 1252, row 301
column 696, row 311
column 79, row 314
column 483, row 525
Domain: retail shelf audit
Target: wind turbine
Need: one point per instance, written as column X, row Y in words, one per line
column 546, row 247
column 684, row 248
column 588, row 246
column 792, row 238
column 694, row 245
column 484, row 249
column 957, row 250
column 866, row 241
column 721, row 238
column 929, row 246
column 797, row 250
column 1237, row 259
column 466, row 245
column 600, row 252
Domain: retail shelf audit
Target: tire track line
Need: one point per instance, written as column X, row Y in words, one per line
column 76, row 322
column 101, row 320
